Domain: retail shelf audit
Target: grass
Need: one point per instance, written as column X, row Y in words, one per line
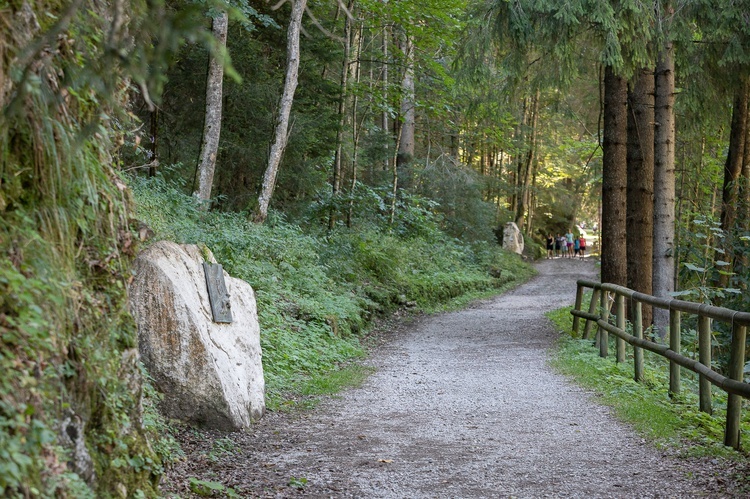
column 337, row 380
column 310, row 390
column 673, row 423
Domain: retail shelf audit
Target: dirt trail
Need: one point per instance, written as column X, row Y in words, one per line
column 462, row 405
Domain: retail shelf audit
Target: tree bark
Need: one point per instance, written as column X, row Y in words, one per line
column 152, row 146
column 212, row 120
column 518, row 175
column 733, row 165
column 735, row 159
column 285, row 109
column 408, row 111
column 384, row 115
column 664, row 184
column 742, row 259
column 356, row 126
column 532, row 201
column 640, row 191
column 614, row 179
column 394, row 186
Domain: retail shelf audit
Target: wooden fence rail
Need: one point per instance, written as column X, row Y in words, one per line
column 733, row 384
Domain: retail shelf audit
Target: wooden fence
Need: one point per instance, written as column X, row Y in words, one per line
column 734, row 384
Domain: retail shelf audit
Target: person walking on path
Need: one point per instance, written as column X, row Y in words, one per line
column 550, row 246
column 582, row 247
column 558, row 242
column 576, row 246
column 569, row 242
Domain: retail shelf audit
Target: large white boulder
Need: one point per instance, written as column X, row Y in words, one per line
column 512, row 238
column 210, row 374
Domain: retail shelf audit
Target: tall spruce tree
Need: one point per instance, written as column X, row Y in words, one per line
column 614, row 179
column 640, row 181
column 664, row 171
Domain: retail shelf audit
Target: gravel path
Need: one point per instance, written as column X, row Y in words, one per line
column 462, row 405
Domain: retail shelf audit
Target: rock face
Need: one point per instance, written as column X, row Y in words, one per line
column 73, row 437
column 512, row 238
column 211, row 374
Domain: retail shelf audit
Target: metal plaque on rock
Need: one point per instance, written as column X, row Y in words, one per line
column 221, row 308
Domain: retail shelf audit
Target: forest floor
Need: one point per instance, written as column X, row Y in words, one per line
column 460, row 404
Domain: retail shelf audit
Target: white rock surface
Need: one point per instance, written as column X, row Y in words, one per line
column 211, row 374
column 512, row 238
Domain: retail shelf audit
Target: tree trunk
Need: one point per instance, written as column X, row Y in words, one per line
column 664, row 185
column 152, row 146
column 337, row 176
column 532, row 202
column 640, row 192
column 732, row 172
column 394, row 186
column 735, row 157
column 742, row 259
column 282, row 124
column 529, row 160
column 518, row 175
column 356, row 127
column 384, row 114
column 453, row 147
column 408, row 111
column 614, row 179
column 212, row 120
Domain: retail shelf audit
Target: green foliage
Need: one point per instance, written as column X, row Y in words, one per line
column 317, row 293
column 702, row 241
column 67, row 342
column 457, row 192
column 162, row 432
column 207, row 488
column 298, row 483
column 702, row 253
column 248, row 115
column 222, row 447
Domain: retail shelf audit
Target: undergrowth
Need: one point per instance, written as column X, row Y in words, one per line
column 669, row 422
column 318, row 291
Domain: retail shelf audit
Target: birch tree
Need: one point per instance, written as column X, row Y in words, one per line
column 212, row 120
column 285, row 109
column 408, row 104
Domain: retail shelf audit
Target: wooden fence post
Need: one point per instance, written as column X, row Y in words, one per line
column 603, row 335
column 704, row 357
column 638, row 333
column 734, row 402
column 592, row 308
column 620, row 325
column 579, row 300
column 675, row 341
